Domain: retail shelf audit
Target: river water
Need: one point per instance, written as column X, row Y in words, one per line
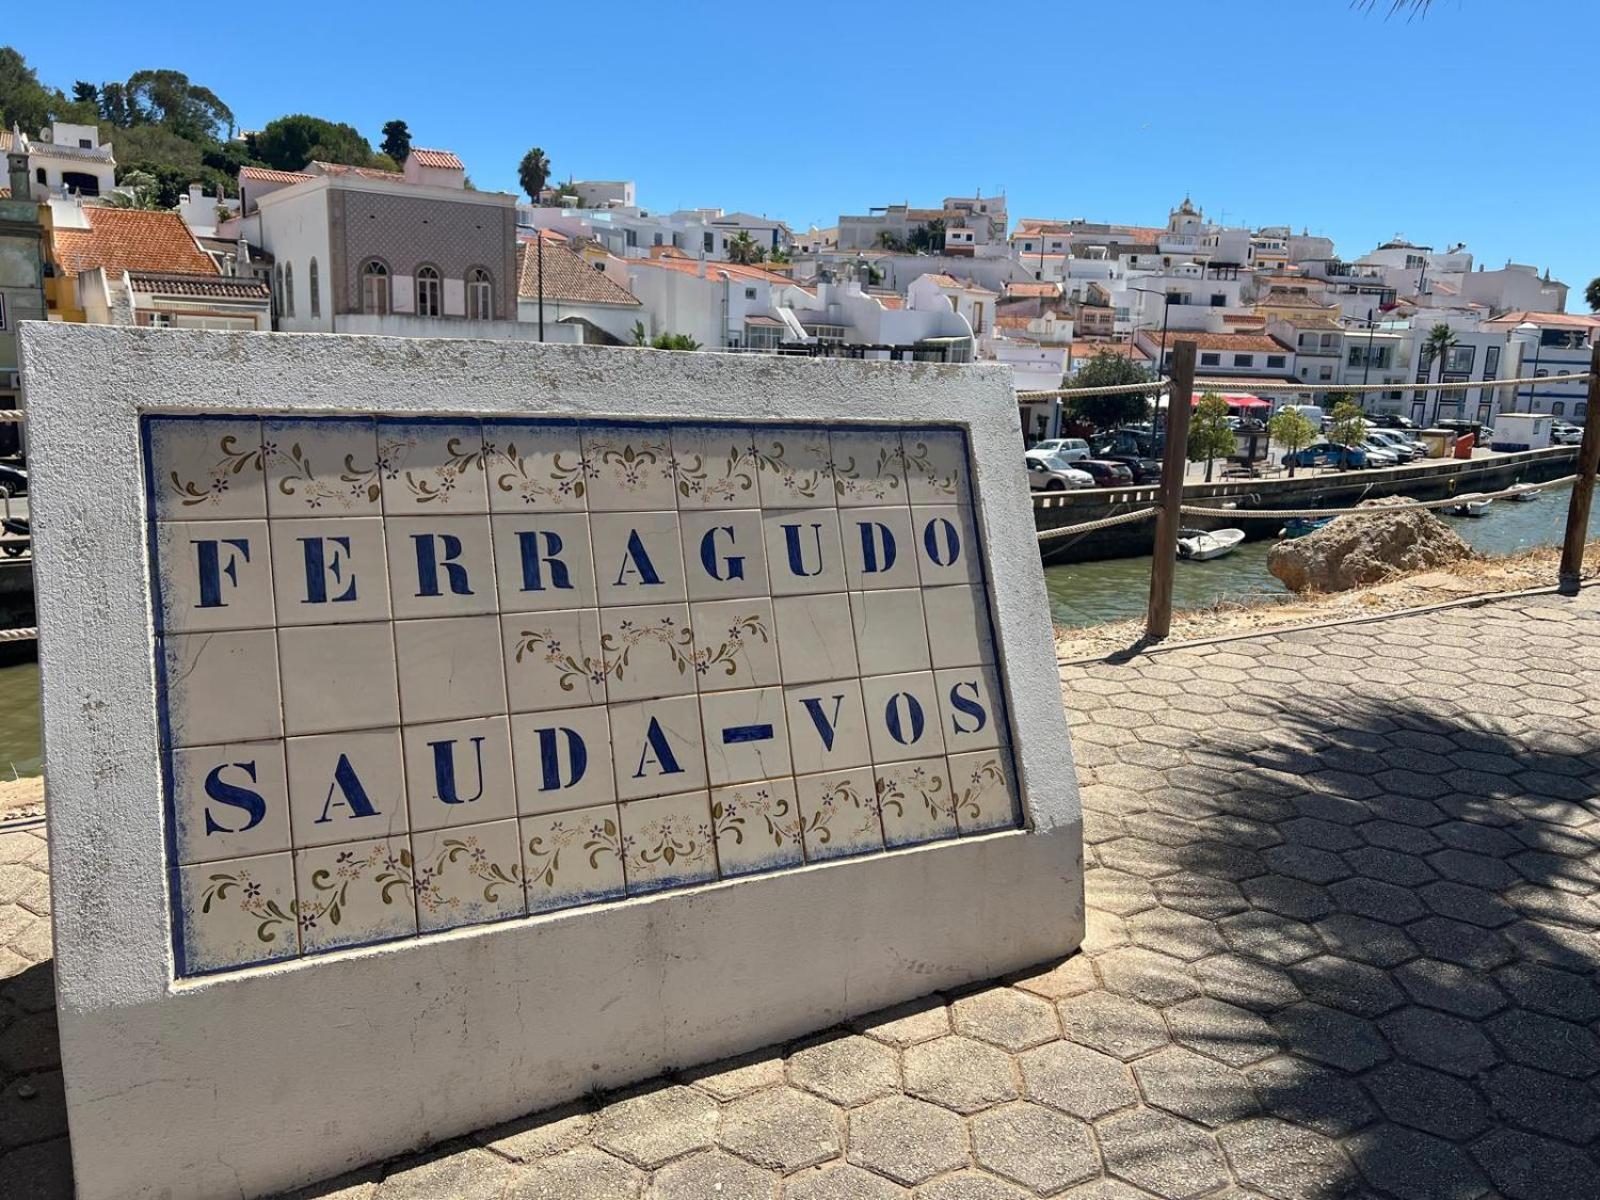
column 1080, row 594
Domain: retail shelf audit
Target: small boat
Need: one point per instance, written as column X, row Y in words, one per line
column 1472, row 504
column 1198, row 545
column 1526, row 494
column 1300, row 526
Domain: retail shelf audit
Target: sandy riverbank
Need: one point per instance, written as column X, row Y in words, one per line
column 1472, row 577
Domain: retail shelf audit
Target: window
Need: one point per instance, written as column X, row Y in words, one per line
column 374, row 288
column 277, row 290
column 85, row 144
column 316, row 289
column 1558, row 409
column 761, row 337
column 1491, row 362
column 430, row 292
column 1460, row 359
column 657, row 239
column 1276, row 362
column 1325, row 373
column 40, row 176
column 630, row 237
column 81, row 183
column 1244, row 360
column 1211, row 360
column 480, row 295
column 1219, row 299
column 288, row 289
column 708, row 241
column 749, row 293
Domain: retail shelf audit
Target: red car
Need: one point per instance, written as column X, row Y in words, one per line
column 1107, row 474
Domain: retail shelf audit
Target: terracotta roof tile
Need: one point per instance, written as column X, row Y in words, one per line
column 131, row 239
column 1045, row 290
column 1243, row 342
column 440, row 159
column 328, row 168
column 267, row 175
column 567, row 277
column 691, row 266
column 224, row 287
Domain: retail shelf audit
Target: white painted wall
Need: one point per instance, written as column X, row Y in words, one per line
column 293, row 228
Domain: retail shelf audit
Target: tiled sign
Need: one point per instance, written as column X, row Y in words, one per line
column 424, row 674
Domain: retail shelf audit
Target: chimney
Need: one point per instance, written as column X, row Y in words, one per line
column 241, row 255
column 17, row 165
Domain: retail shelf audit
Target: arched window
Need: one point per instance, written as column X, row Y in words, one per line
column 1558, row 409
column 374, row 287
column 316, row 295
column 430, row 296
column 41, row 176
column 277, row 290
column 288, row 289
column 480, row 295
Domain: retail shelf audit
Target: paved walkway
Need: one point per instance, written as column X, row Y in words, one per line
column 1342, row 943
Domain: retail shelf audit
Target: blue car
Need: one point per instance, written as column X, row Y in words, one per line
column 1327, row 454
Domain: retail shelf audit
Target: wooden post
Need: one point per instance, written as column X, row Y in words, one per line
column 1174, row 464
column 1583, row 486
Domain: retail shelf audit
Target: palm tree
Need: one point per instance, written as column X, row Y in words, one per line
column 1439, row 340
column 1592, row 294
column 742, row 248
column 533, row 172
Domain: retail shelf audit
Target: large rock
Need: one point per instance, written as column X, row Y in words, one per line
column 1354, row 551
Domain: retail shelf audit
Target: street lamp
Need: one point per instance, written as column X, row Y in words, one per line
column 1161, row 358
column 1366, row 370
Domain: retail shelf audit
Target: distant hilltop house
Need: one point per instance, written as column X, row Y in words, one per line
column 63, row 160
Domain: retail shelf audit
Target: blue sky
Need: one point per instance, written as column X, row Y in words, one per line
column 1476, row 123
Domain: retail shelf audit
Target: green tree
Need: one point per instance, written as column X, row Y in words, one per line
column 641, row 336
column 927, row 238
column 673, row 341
column 1110, row 409
column 84, row 92
column 888, row 241
column 1348, row 424
column 779, row 255
column 396, row 141
column 24, row 101
column 288, row 143
column 1437, row 346
column 533, row 172
column 1591, row 294
column 1292, row 430
column 142, row 191
column 115, row 106
column 1210, row 435
column 167, row 98
column 742, row 248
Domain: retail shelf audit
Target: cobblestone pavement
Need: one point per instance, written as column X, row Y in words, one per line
column 1342, row 943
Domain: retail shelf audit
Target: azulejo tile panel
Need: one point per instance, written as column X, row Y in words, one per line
column 422, row 674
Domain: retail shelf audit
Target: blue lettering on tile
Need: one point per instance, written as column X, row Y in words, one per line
column 554, row 776
column 444, row 770
column 912, row 718
column 209, row 564
column 429, row 564
column 826, row 725
column 734, row 734
column 348, row 784
column 972, row 707
column 732, row 564
column 246, row 800
column 791, row 541
column 321, row 566
column 533, row 576
column 635, row 557
column 877, row 547
column 655, row 743
column 942, row 541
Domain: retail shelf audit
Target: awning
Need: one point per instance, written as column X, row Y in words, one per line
column 1235, row 400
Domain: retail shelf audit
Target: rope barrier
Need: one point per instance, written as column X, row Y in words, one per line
column 1128, row 518
column 19, row 635
column 1310, row 386
column 12, row 416
column 1195, row 510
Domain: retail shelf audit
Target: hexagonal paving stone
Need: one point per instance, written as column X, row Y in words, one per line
column 585, row 1172
column 1428, row 1100
column 1173, row 933
column 532, row 1138
column 1435, row 1039
column 1376, row 899
column 1200, row 896
column 1114, row 1025
column 970, row 1185
column 1544, row 1103
column 1535, row 1168
column 1076, row 1080
column 906, row 1024
column 658, row 1125
column 1244, row 981
column 1286, row 1162
column 1222, row 1031
column 783, row 1128
column 446, row 1171
column 1011, row 1019
column 735, row 1077
column 1408, row 839
column 1146, row 975
column 1418, row 1166
column 1329, row 1036
column 711, row 1173
column 1288, row 897
column 1546, row 1043
column 908, row 1140
column 1366, row 940
column 1038, row 1147
column 1479, row 870
column 1161, row 1154
column 1349, row 986
column 1460, row 943
column 1072, row 977
column 1456, row 989
column 848, row 1070
column 1306, row 863
column 1546, row 990
column 960, row 1074
column 1312, row 1095
column 1389, row 866
column 1110, row 1189
column 1117, row 891
column 1200, row 1089
column 1470, row 904
column 841, row 1181
column 1268, row 937
column 1323, row 835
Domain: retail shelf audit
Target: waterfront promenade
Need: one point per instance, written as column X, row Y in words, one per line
column 1342, row 942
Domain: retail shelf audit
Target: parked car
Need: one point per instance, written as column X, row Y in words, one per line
column 1106, row 473
column 1327, row 454
column 1042, row 477
column 1379, row 455
column 1392, row 421
column 1398, row 442
column 1070, row 449
column 1562, row 433
column 13, row 481
column 1145, row 470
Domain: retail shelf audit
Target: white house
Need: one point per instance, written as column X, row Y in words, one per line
column 560, row 287
column 65, row 160
column 975, row 303
column 1550, row 344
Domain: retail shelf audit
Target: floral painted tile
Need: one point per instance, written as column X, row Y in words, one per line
column 948, row 551
column 572, row 858
column 915, row 802
column 959, row 633
column 553, row 659
column 355, row 894
column 338, row 677
column 868, row 467
column 346, row 787
column 816, row 639
column 207, row 470
column 890, row 630
column 657, row 747
column 735, row 644
column 214, row 575
column 543, row 560
column 534, row 467
column 716, row 466
column 322, row 468
column 638, row 557
column 459, row 773
column 649, row 651
column 794, row 467
column 827, row 726
column 970, row 708
column 562, row 760
column 667, row 842
column 804, row 554
column 839, row 814
column 903, row 716
column 936, row 466
column 468, row 876
column 757, row 826
column 724, row 554
column 222, row 687
column 331, row 570
column 440, row 566
column 450, row 668
column 630, row 468
column 746, row 735
column 984, row 790
column 229, row 801
column 236, row 913
column 879, row 550
column 432, row 466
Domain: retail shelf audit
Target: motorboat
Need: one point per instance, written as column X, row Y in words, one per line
column 1300, row 526
column 1199, row 545
column 1526, row 494
column 1472, row 504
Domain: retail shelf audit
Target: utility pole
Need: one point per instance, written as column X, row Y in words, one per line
column 1366, row 371
column 1583, row 486
column 1180, row 400
column 540, row 251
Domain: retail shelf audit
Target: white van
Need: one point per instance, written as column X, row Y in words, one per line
column 1311, row 412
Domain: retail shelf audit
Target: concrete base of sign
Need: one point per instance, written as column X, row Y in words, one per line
column 246, row 1083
